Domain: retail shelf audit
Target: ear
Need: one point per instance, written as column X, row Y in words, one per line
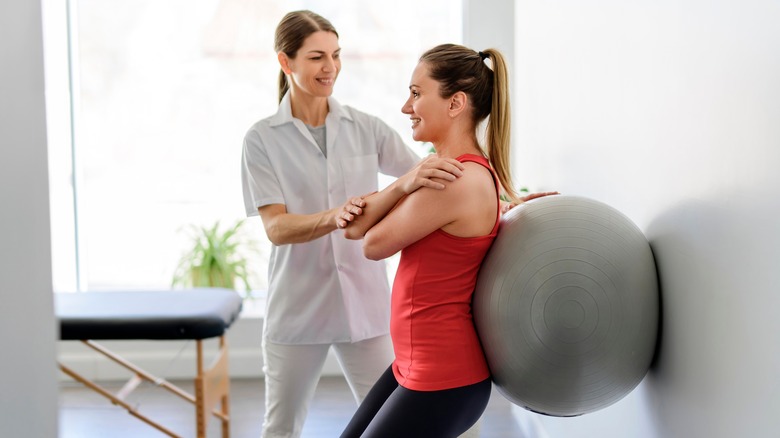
column 458, row 103
column 284, row 62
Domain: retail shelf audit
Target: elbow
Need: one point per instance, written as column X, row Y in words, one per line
column 274, row 234
column 352, row 233
column 274, row 239
column 372, row 250
column 372, row 254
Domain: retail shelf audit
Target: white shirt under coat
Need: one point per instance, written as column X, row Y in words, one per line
column 325, row 290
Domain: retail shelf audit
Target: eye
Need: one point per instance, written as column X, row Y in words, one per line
column 316, row 58
column 337, row 56
column 415, row 94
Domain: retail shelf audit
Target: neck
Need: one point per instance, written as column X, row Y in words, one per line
column 453, row 146
column 311, row 110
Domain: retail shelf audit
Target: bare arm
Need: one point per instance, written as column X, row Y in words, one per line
column 283, row 228
column 467, row 207
column 432, row 172
column 365, row 216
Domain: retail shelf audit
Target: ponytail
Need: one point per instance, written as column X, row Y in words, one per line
column 283, row 85
column 500, row 123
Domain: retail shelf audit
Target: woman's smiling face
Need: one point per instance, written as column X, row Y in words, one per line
column 426, row 108
column 316, row 65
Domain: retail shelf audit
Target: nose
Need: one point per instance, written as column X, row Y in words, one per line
column 407, row 108
column 329, row 65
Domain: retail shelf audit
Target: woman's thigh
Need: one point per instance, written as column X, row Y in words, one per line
column 373, row 402
column 394, row 412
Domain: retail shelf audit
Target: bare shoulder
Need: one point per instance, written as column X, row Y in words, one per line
column 476, row 182
column 476, row 206
column 477, row 179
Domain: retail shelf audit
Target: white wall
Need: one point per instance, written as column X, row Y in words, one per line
column 28, row 391
column 490, row 24
column 669, row 110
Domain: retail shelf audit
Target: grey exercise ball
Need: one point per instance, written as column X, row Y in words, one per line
column 566, row 306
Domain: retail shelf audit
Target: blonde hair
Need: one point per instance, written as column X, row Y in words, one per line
column 458, row 68
column 291, row 32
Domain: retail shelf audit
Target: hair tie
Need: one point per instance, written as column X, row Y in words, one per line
column 483, row 55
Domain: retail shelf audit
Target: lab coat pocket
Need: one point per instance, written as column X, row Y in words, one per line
column 360, row 174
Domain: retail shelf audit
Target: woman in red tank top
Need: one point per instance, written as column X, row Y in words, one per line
column 439, row 383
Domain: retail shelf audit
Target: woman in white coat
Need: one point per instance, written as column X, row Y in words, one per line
column 302, row 168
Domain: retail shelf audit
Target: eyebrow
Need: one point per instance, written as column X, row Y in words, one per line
column 322, row 52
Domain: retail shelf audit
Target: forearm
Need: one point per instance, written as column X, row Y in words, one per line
column 432, row 172
column 289, row 228
column 378, row 205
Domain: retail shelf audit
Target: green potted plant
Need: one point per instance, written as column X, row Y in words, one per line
column 214, row 260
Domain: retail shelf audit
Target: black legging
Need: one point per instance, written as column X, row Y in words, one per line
column 392, row 411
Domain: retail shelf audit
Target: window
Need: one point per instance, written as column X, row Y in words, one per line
column 162, row 95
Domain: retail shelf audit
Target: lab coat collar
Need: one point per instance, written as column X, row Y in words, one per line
column 284, row 114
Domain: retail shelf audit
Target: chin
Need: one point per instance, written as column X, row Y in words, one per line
column 321, row 91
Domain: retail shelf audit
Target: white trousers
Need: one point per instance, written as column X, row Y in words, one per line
column 292, row 373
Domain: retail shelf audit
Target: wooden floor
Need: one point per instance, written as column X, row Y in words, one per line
column 85, row 414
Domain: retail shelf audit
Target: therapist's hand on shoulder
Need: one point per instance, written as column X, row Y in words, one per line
column 432, row 171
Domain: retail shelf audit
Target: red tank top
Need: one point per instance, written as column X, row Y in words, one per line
column 431, row 324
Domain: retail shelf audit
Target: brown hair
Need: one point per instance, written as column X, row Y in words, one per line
column 291, row 32
column 458, row 68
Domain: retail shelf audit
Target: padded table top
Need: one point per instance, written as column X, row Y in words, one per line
column 166, row 314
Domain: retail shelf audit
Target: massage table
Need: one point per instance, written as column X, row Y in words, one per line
column 193, row 314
